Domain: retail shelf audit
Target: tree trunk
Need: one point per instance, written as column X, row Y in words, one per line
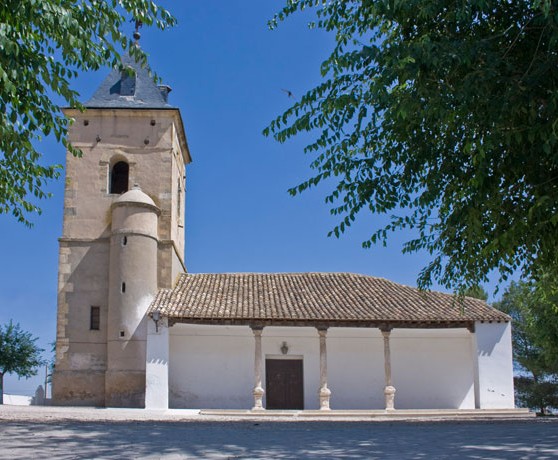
column 536, row 382
column 1, row 388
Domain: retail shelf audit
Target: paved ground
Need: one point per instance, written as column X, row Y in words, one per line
column 43, row 434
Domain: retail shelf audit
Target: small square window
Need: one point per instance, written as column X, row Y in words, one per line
column 95, row 318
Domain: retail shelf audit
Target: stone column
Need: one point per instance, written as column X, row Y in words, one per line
column 258, row 389
column 389, row 390
column 324, row 392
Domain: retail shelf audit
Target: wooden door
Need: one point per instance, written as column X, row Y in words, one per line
column 284, row 384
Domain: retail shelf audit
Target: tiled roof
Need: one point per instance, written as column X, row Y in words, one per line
column 313, row 298
column 121, row 90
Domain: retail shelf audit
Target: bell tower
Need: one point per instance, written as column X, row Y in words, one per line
column 122, row 238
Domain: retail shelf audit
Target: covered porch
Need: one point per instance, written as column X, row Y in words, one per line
column 214, row 357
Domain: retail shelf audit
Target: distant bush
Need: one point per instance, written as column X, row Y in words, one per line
column 539, row 395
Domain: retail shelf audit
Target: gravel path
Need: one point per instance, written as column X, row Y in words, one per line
column 44, row 433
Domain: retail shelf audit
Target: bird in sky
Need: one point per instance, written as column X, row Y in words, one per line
column 289, row 93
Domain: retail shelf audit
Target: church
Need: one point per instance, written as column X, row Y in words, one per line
column 135, row 329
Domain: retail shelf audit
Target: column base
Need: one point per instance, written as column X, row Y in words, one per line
column 325, row 395
column 389, row 393
column 258, row 398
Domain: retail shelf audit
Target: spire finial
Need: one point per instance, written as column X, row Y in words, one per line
column 137, row 35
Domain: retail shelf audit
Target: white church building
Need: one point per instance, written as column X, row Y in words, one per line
column 135, row 329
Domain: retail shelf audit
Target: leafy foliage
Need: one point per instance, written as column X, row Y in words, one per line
column 18, row 353
column 44, row 44
column 544, row 308
column 441, row 115
column 476, row 292
column 535, row 341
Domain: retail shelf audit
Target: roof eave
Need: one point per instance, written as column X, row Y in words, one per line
column 325, row 323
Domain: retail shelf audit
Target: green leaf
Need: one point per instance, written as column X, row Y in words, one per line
column 443, row 113
column 44, row 46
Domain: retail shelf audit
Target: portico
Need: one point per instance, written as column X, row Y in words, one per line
column 222, row 357
column 324, row 393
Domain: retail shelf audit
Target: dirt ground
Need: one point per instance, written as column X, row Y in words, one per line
column 74, row 433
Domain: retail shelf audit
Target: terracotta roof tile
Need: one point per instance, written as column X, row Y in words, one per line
column 244, row 298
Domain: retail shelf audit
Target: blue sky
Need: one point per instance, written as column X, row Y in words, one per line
column 227, row 71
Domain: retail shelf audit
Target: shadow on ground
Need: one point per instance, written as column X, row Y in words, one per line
column 311, row 440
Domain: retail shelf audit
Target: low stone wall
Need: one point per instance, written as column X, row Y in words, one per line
column 22, row 400
column 17, row 400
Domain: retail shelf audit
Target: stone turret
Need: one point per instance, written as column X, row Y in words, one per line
column 132, row 285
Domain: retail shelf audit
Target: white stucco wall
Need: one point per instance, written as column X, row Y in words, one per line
column 492, row 343
column 433, row 369
column 213, row 366
column 355, row 368
column 157, row 366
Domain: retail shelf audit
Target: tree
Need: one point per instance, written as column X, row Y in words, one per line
column 544, row 308
column 536, row 394
column 535, row 342
column 18, row 354
column 441, row 115
column 476, row 292
column 43, row 46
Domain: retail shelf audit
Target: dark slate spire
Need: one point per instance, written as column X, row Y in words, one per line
column 130, row 89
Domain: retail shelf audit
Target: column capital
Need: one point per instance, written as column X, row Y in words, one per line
column 322, row 331
column 385, row 328
column 257, row 329
column 386, row 334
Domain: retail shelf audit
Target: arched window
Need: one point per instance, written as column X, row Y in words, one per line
column 119, row 177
